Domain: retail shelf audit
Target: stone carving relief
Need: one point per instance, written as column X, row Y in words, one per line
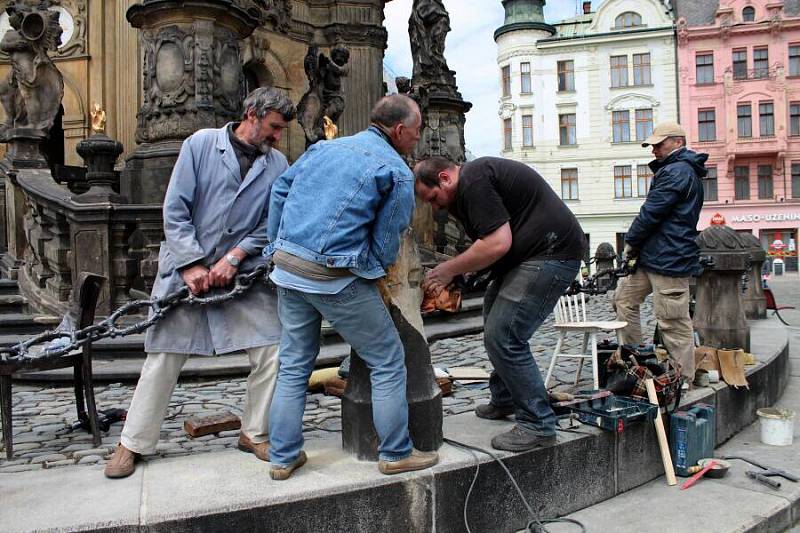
column 683, row 31
column 631, row 101
column 229, row 82
column 73, row 11
column 506, row 110
column 31, row 93
column 277, row 12
column 186, row 74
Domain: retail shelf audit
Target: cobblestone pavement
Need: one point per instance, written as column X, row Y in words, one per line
column 41, row 413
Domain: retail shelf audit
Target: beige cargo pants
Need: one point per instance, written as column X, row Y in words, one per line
column 671, row 308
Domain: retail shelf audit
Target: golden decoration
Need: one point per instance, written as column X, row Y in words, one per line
column 330, row 129
column 98, row 118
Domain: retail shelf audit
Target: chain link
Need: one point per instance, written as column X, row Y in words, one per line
column 157, row 308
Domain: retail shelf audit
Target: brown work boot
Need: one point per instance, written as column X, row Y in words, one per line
column 259, row 449
column 122, row 463
column 280, row 473
column 416, row 461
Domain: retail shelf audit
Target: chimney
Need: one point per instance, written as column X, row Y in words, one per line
column 587, row 8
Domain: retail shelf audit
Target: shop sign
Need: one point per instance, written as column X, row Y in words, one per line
column 718, row 219
column 770, row 217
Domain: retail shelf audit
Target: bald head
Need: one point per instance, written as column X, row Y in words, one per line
column 393, row 109
column 399, row 117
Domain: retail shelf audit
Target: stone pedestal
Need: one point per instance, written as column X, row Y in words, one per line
column 23, row 152
column 402, row 294
column 192, row 79
column 100, row 153
column 755, row 303
column 719, row 314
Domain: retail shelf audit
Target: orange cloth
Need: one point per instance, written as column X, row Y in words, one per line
column 449, row 300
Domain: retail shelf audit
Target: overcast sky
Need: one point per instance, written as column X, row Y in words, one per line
column 470, row 50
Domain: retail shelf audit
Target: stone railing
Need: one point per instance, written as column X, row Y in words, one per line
column 63, row 237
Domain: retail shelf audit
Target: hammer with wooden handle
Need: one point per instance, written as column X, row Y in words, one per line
column 666, row 458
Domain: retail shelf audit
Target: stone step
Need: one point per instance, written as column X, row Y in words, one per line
column 17, row 324
column 8, row 286
column 12, row 304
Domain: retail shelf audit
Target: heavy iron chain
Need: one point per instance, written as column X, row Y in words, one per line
column 109, row 328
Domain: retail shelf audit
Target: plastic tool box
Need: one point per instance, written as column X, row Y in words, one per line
column 614, row 413
column 691, row 437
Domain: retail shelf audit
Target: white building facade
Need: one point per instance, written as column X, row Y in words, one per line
column 578, row 98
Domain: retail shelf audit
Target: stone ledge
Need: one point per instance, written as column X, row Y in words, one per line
column 333, row 492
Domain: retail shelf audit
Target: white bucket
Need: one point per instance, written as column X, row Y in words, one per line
column 777, row 426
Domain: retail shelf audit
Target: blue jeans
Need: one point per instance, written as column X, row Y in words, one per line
column 359, row 315
column 513, row 309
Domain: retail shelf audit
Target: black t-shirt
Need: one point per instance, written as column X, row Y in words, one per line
column 492, row 191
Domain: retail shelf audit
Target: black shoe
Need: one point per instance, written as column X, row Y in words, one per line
column 493, row 412
column 520, row 440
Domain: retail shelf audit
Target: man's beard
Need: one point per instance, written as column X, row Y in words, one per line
column 265, row 147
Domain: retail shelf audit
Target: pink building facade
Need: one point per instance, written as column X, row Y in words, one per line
column 739, row 98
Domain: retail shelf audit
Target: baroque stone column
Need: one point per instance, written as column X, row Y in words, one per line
column 434, row 88
column 192, row 79
column 402, row 294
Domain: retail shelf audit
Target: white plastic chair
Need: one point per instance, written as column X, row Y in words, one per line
column 570, row 314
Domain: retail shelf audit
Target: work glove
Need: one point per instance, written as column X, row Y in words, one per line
column 629, row 252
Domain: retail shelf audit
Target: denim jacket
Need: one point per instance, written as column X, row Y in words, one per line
column 343, row 204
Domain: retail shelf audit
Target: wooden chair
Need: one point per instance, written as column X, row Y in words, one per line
column 773, row 305
column 570, row 314
column 82, row 310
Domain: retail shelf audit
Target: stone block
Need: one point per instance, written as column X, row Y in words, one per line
column 582, row 468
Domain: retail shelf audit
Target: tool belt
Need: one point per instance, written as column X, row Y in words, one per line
column 632, row 364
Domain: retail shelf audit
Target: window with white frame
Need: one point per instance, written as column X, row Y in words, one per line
column 623, row 183
column 527, row 131
column 566, row 76
column 766, row 119
column 619, row 71
column 710, row 185
column 569, row 183
column 525, row 78
column 641, row 69
column 644, row 177
column 704, row 68
column 644, row 124
column 621, row 126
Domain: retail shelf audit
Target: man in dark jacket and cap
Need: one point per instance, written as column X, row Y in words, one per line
column 662, row 236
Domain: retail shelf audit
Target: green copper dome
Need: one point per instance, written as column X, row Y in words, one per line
column 524, row 15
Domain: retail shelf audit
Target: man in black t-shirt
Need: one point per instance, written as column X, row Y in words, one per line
column 532, row 244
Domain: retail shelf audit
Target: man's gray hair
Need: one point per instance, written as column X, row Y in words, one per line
column 678, row 137
column 266, row 99
column 393, row 109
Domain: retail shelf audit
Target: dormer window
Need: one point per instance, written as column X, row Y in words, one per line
column 629, row 19
column 749, row 14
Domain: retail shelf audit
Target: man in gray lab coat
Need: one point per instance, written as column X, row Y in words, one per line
column 215, row 214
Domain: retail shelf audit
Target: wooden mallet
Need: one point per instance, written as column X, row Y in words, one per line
column 666, row 458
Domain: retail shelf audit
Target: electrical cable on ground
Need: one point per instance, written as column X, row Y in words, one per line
column 535, row 525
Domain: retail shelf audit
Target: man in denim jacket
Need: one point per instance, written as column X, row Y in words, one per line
column 335, row 219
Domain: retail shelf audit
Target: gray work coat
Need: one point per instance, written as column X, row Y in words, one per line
column 207, row 212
